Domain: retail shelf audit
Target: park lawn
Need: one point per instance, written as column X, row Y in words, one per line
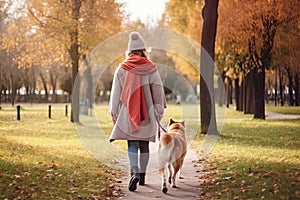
column 42, row 158
column 233, row 114
column 283, row 109
column 253, row 159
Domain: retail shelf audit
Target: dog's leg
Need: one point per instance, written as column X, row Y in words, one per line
column 164, row 188
column 176, row 167
column 170, row 173
column 162, row 164
column 179, row 172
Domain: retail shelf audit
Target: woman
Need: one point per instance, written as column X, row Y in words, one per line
column 137, row 101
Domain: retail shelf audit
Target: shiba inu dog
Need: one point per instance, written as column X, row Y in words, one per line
column 172, row 151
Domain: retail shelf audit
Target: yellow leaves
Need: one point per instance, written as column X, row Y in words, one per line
column 41, row 38
column 185, row 17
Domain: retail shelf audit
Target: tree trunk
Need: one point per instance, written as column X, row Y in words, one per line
column 74, row 54
column 276, row 85
column 229, row 92
column 259, row 93
column 297, row 95
column 267, row 91
column 221, row 92
column 33, row 86
column 241, row 96
column 53, row 81
column 207, row 102
column 237, row 93
column 261, row 61
column 13, row 90
column 249, row 94
column 290, row 86
column 281, row 92
column 44, row 85
column 89, row 80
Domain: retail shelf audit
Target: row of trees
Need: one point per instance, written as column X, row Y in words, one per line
column 44, row 39
column 254, row 38
column 44, row 43
column 257, row 45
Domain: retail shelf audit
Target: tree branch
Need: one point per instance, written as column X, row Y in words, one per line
column 36, row 18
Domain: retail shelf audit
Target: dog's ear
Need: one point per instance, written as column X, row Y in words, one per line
column 171, row 121
column 183, row 123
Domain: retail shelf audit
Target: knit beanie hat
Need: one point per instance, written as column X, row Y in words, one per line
column 136, row 42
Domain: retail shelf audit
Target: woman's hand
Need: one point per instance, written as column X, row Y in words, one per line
column 159, row 117
column 114, row 118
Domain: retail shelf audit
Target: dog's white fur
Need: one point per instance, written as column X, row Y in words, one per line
column 172, row 151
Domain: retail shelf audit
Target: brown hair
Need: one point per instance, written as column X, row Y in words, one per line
column 139, row 52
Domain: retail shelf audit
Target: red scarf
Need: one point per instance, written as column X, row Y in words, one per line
column 132, row 95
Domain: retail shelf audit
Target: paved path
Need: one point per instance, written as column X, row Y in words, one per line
column 273, row 115
column 187, row 188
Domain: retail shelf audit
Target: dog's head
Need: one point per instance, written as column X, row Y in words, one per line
column 176, row 125
column 171, row 121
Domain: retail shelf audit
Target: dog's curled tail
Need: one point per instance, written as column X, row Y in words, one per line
column 165, row 140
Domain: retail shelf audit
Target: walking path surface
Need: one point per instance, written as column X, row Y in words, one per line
column 187, row 188
column 273, row 115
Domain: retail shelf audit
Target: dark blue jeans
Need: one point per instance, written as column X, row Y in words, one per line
column 138, row 154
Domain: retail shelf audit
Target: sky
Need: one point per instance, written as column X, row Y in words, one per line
column 16, row 4
column 138, row 9
column 144, row 9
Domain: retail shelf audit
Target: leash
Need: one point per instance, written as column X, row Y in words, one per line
column 160, row 127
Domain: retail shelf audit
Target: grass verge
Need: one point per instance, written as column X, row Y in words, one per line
column 42, row 158
column 254, row 159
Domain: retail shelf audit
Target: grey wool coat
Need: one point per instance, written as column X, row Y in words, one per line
column 155, row 104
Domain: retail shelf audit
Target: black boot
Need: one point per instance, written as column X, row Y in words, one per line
column 135, row 178
column 142, row 179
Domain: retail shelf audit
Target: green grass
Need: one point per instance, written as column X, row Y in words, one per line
column 254, row 159
column 43, row 158
column 233, row 114
column 283, row 109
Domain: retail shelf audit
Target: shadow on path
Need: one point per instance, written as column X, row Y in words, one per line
column 187, row 188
